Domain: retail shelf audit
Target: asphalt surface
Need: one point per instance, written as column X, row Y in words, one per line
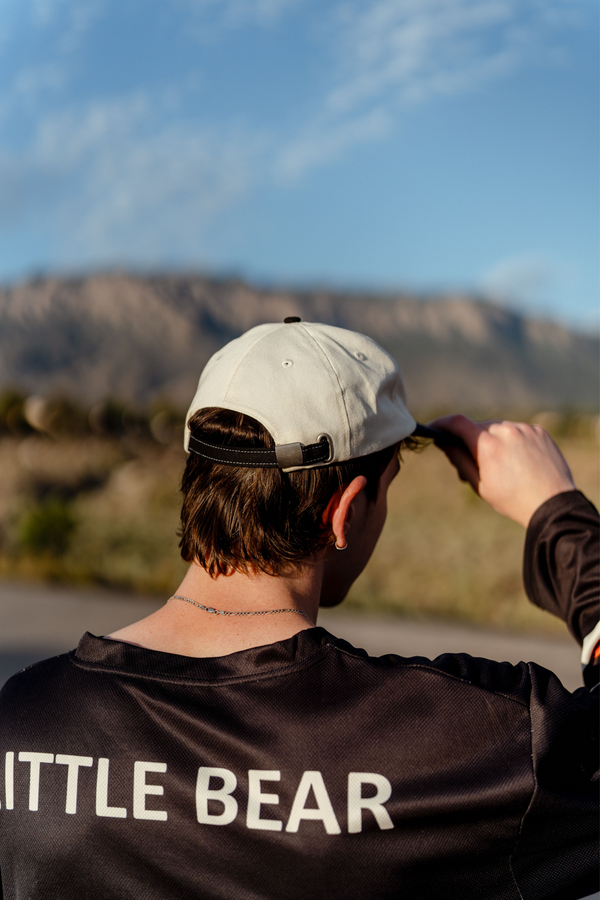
column 38, row 621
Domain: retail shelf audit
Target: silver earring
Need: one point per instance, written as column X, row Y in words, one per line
column 345, row 547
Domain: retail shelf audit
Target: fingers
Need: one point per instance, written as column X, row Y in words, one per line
column 469, row 432
column 464, row 464
column 515, row 467
column 464, row 428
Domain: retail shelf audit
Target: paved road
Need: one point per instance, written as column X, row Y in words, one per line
column 37, row 621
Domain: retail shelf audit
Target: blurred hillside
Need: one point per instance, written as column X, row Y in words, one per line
column 137, row 338
column 96, row 374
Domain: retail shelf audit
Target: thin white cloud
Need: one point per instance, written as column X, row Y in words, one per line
column 137, row 175
column 66, row 24
column 43, row 12
column 123, row 181
column 522, row 280
column 412, row 50
column 81, row 19
column 211, row 17
column 390, row 54
column 324, row 142
column 73, row 18
column 33, row 79
column 541, row 286
column 30, row 86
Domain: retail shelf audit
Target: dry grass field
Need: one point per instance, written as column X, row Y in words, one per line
column 105, row 511
column 91, row 510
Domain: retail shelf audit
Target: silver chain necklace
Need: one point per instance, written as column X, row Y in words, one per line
column 225, row 612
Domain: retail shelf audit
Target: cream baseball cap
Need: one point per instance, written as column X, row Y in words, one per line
column 325, row 394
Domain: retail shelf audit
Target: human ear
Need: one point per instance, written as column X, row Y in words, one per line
column 342, row 507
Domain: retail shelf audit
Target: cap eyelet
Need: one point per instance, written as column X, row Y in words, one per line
column 287, row 363
column 360, row 355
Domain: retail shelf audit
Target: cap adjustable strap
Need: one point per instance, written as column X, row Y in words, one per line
column 285, row 456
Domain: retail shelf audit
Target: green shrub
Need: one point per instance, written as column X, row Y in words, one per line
column 47, row 527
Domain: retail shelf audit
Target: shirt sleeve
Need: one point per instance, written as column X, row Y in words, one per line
column 556, row 856
column 561, row 569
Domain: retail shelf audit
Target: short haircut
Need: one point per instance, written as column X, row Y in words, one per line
column 245, row 519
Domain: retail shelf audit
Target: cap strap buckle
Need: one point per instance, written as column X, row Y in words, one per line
column 289, row 455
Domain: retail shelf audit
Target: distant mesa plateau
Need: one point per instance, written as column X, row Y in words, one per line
column 141, row 337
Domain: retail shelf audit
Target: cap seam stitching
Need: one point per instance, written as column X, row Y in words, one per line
column 341, row 389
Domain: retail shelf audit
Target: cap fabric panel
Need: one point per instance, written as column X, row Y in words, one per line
column 218, row 374
column 301, row 380
column 283, row 382
column 374, row 395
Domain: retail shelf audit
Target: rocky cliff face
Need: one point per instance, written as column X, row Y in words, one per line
column 135, row 337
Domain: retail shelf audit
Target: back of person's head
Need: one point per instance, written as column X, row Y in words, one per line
column 282, row 419
column 245, row 519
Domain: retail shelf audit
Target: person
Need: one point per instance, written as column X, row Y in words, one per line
column 226, row 746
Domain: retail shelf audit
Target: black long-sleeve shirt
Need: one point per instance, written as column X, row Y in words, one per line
column 306, row 768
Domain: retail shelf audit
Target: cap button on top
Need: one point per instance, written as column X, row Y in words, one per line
column 290, row 319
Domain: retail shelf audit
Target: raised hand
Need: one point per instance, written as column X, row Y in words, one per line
column 513, row 466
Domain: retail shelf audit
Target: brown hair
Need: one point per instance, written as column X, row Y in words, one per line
column 242, row 519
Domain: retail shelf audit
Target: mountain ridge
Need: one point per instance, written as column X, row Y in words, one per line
column 139, row 336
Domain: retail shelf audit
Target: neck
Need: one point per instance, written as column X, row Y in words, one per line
column 179, row 627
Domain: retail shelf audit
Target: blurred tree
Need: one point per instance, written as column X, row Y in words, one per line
column 113, row 418
column 66, row 418
column 58, row 416
column 166, row 423
column 106, row 418
column 12, row 417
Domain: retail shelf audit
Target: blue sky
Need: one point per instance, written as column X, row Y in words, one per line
column 425, row 144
